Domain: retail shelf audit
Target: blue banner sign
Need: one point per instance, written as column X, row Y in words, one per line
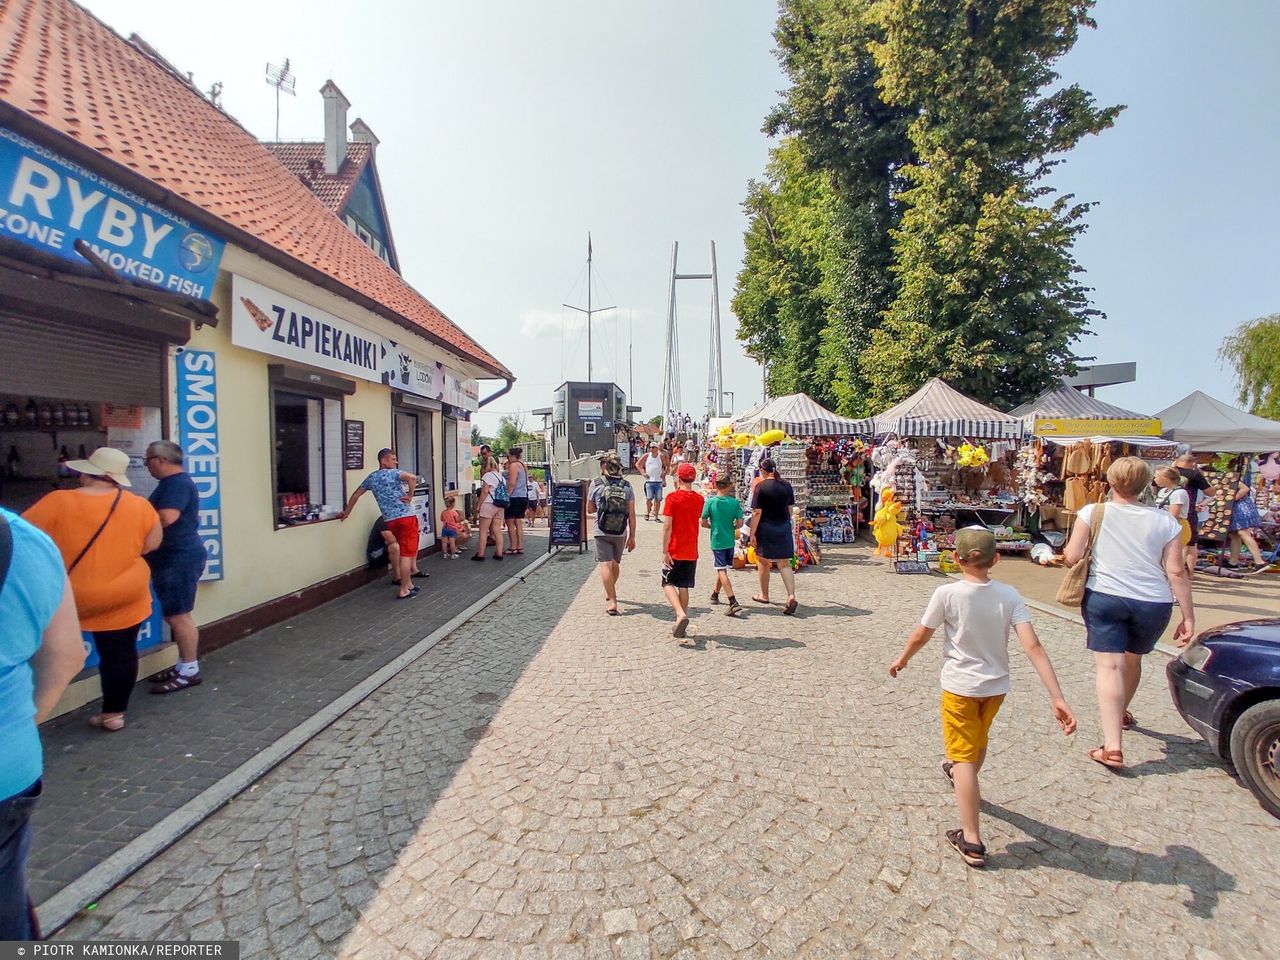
column 48, row 202
column 197, row 383
column 150, row 635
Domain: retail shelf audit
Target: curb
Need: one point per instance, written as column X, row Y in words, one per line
column 62, row 907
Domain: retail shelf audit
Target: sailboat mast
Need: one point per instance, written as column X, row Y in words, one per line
column 590, row 378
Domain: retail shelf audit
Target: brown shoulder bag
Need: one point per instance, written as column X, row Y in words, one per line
column 1071, row 593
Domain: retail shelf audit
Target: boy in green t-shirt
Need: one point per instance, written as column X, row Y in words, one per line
column 722, row 515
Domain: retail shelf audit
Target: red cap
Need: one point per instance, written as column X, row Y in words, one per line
column 687, row 472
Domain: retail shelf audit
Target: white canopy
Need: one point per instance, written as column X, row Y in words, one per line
column 1211, row 426
column 799, row 415
column 939, row 410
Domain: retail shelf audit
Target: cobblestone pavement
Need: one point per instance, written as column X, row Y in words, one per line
column 103, row 791
column 553, row 783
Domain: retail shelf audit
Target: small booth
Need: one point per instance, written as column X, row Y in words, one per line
column 949, row 460
column 1074, row 438
column 820, row 453
column 1222, row 438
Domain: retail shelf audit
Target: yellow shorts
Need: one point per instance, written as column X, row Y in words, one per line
column 965, row 724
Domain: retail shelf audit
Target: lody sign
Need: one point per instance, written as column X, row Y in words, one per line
column 197, row 409
column 49, row 202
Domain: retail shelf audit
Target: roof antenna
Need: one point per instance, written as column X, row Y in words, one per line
column 284, row 82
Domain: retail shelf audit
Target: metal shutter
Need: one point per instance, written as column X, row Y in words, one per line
column 65, row 361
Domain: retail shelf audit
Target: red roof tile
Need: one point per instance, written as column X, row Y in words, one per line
column 306, row 162
column 67, row 70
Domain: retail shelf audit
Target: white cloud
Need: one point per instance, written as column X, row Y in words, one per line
column 550, row 324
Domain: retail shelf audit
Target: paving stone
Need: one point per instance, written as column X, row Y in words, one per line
column 767, row 792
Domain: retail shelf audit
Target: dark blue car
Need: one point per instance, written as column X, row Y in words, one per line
column 1226, row 685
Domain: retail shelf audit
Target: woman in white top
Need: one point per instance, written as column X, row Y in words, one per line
column 1177, row 502
column 1136, row 574
column 490, row 517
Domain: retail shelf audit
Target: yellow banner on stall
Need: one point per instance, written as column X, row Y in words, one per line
column 1073, row 427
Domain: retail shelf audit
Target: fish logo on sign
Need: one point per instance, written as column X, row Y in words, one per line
column 195, row 252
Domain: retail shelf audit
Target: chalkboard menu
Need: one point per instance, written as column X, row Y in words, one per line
column 568, row 514
column 353, row 444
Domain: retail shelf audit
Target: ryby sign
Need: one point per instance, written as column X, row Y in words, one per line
column 197, row 383
column 49, row 202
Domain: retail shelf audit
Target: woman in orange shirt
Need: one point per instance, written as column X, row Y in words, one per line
column 102, row 533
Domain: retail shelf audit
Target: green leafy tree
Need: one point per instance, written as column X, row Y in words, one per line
column 1253, row 350
column 988, row 291
column 476, row 437
column 816, row 277
column 511, row 433
column 655, row 421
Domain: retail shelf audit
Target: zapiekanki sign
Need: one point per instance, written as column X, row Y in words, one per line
column 49, row 202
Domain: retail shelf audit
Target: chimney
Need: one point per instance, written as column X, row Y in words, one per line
column 361, row 133
column 335, row 127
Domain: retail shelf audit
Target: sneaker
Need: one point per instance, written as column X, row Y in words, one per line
column 735, row 607
column 715, row 599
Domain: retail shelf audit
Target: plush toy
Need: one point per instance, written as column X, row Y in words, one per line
column 968, row 455
column 770, row 437
column 887, row 524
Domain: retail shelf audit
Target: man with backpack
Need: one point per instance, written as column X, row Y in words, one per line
column 613, row 502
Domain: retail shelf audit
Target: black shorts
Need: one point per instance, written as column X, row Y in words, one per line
column 516, row 509
column 680, row 574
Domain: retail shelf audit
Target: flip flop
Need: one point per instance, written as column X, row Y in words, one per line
column 679, row 629
column 611, row 611
column 761, row 600
column 791, row 606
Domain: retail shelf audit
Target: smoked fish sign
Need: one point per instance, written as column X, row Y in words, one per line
column 49, row 202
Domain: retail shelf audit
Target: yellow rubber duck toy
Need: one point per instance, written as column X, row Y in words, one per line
column 887, row 525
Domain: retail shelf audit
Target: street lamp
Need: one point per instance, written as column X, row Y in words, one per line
column 729, row 394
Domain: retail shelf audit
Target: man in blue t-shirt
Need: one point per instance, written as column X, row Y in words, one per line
column 40, row 651
column 177, row 564
column 387, row 484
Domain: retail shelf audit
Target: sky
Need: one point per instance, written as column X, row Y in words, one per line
column 509, row 130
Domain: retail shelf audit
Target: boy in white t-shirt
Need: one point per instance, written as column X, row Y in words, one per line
column 976, row 614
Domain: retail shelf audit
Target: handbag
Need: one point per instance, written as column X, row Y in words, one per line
column 97, row 533
column 1071, row 592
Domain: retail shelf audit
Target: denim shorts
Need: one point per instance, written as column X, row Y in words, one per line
column 722, row 559
column 175, row 584
column 1120, row 625
column 653, row 489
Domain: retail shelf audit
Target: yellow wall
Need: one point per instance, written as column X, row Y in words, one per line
column 263, row 563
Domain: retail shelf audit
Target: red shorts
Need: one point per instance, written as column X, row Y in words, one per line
column 405, row 530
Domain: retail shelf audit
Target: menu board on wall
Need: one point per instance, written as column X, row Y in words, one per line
column 353, row 444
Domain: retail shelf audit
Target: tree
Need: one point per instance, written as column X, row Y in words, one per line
column 511, row 433
column 476, row 437
column 1253, row 350
column 655, row 421
column 988, row 294
column 816, row 278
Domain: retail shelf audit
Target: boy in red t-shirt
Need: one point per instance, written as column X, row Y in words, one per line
column 681, row 514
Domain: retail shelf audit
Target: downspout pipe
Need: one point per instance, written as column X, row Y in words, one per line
column 509, row 381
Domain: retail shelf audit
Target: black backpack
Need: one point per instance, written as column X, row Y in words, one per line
column 614, row 516
column 6, row 549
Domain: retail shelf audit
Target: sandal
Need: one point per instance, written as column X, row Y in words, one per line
column 974, row 854
column 1111, row 759
column 164, row 675
column 176, row 683
column 946, row 771
column 107, row 723
column 611, row 610
column 761, row 600
column 791, row 606
column 1127, row 722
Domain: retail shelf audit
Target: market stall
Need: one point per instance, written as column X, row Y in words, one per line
column 1223, row 437
column 817, row 451
column 948, row 459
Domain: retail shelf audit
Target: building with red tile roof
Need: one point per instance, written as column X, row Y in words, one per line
column 70, row 82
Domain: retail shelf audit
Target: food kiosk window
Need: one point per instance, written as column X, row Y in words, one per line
column 306, row 425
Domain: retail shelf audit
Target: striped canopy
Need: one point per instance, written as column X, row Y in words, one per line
column 939, row 410
column 799, row 415
column 1064, row 401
